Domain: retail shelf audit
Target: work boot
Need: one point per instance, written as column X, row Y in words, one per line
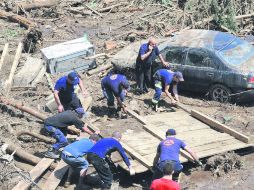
column 111, row 112
column 155, row 107
column 52, row 153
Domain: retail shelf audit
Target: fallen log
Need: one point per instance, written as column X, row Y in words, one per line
column 18, row 19
column 33, row 112
column 99, row 69
column 21, row 153
column 35, row 4
column 36, row 135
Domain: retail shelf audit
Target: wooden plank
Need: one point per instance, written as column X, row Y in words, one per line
column 15, row 63
column 212, row 122
column 136, row 155
column 4, row 54
column 135, row 115
column 56, row 176
column 35, row 173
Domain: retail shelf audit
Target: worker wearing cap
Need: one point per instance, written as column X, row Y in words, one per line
column 97, row 154
column 64, row 92
column 73, row 155
column 163, row 78
column 146, row 56
column 57, row 125
column 168, row 151
column 115, row 85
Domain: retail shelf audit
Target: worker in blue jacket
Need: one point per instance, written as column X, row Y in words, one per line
column 97, row 154
column 64, row 92
column 73, row 155
column 163, row 78
column 115, row 85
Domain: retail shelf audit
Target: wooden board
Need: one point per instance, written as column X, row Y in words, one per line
column 28, row 72
column 56, row 176
column 213, row 123
column 4, row 54
column 35, row 173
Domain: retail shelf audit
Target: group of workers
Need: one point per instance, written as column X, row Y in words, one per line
column 94, row 150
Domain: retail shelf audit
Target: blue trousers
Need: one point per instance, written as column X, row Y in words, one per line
column 110, row 96
column 158, row 91
column 177, row 167
column 61, row 140
column 77, row 164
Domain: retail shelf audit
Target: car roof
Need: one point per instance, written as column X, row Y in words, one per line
column 209, row 39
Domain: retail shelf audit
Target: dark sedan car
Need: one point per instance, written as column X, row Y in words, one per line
column 211, row 61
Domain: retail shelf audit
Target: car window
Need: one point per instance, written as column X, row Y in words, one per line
column 174, row 55
column 199, row 58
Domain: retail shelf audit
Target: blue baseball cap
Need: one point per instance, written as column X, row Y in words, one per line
column 179, row 75
column 73, row 76
column 171, row 132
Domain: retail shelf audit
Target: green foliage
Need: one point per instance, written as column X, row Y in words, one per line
column 166, row 2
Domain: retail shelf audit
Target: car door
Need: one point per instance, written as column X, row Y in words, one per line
column 199, row 70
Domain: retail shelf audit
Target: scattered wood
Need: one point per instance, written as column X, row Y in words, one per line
column 244, row 16
column 35, row 4
column 96, row 12
column 56, row 176
column 35, row 173
column 112, row 7
column 15, row 63
column 213, row 123
column 98, row 55
column 99, row 69
column 36, row 135
column 4, row 54
column 50, row 83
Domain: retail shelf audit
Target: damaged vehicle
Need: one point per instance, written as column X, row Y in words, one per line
column 212, row 62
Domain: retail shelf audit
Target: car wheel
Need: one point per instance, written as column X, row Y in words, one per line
column 220, row 93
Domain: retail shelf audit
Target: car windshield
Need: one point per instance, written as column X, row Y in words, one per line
column 237, row 52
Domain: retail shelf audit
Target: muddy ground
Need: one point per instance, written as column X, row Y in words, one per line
column 57, row 25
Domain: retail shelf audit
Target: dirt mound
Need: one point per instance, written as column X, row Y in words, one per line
column 222, row 164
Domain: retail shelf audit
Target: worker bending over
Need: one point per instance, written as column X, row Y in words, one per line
column 115, row 85
column 97, row 154
column 57, row 125
column 168, row 151
column 163, row 78
column 64, row 92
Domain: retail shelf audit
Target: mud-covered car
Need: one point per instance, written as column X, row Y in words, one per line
column 211, row 61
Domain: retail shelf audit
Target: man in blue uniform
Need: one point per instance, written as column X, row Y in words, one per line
column 168, row 151
column 115, row 85
column 97, row 154
column 73, row 154
column 57, row 125
column 64, row 92
column 147, row 54
column 163, row 78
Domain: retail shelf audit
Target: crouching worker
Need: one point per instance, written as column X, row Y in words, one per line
column 168, row 151
column 166, row 182
column 115, row 85
column 163, row 78
column 57, row 125
column 73, row 154
column 97, row 154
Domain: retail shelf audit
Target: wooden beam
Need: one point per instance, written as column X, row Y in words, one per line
column 137, row 116
column 99, row 69
column 35, row 173
column 15, row 63
column 56, row 176
column 215, row 124
column 4, row 54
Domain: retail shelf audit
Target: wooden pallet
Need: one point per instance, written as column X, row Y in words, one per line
column 204, row 135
